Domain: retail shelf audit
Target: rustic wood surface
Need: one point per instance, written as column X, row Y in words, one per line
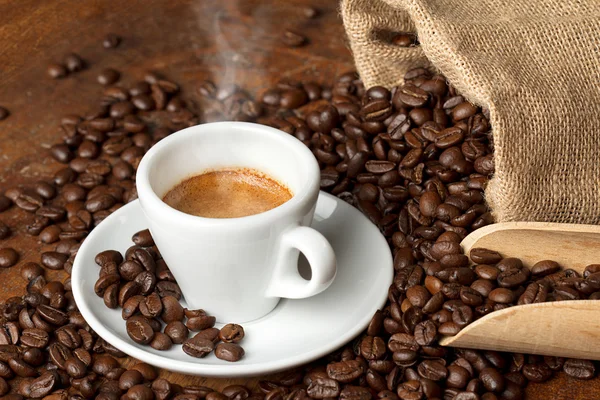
column 229, row 41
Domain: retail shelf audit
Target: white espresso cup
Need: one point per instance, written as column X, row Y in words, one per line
column 237, row 269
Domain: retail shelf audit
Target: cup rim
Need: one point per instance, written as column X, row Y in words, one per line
column 299, row 199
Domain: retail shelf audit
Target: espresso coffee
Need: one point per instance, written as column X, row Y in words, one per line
column 227, row 194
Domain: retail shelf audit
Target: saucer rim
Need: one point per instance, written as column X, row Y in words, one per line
column 210, row 370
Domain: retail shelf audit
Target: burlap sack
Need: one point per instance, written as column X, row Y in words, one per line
column 534, row 63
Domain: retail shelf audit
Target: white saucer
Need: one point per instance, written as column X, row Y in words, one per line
column 294, row 333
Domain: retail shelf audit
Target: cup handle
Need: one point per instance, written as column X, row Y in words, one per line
column 286, row 281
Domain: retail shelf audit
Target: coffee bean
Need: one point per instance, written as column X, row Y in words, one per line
column 537, row 372
column 501, row 295
column 198, row 347
column 492, row 380
column 484, row 256
column 143, row 102
column 545, row 267
column 103, row 364
column 35, row 338
column 111, row 296
column 323, row 387
column 50, row 234
column 143, row 238
column 8, row 257
column 43, row 386
column 108, row 256
column 75, row 367
column 463, row 110
column 31, row 270
column 293, row 39
column 108, row 76
column 54, row 260
column 74, row 63
column 140, row 392
column 111, row 41
column 21, row 368
column 200, row 323
column 231, row 333
column 4, row 113
column 511, row 278
column 4, row 231
column 57, row 71
column 176, row 331
column 161, row 341
column 580, row 369
column 5, row 203
column 52, row 315
column 151, row 306
column 140, row 330
column 412, row 96
column 229, row 352
column 345, row 371
column 425, row 333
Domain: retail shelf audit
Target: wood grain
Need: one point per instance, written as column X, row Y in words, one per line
column 229, row 41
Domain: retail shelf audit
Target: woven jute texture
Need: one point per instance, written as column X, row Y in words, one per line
column 535, row 64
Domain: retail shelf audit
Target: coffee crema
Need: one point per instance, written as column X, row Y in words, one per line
column 230, row 193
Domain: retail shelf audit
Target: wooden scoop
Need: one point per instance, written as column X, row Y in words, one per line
column 561, row 328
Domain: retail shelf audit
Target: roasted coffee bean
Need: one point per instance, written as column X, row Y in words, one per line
column 51, row 212
column 140, row 330
column 35, row 338
column 198, row 347
column 545, row 267
column 231, row 333
column 537, row 372
column 43, row 385
column 128, row 290
column 151, row 306
column 580, row 369
column 57, row 71
column 425, row 333
column 8, row 257
column 200, row 323
column 4, row 231
column 177, row 331
column 111, row 41
column 501, row 295
column 293, row 39
column 229, row 352
column 31, row 270
column 74, row 63
column 54, row 260
column 21, row 368
column 211, row 334
column 108, row 76
column 108, row 256
column 4, row 113
column 322, row 388
column 345, row 371
column 143, row 238
column 52, row 315
column 511, row 278
column 161, row 341
column 50, row 234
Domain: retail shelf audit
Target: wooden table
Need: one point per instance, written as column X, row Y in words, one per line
column 227, row 41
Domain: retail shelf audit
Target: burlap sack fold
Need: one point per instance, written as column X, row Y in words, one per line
column 535, row 64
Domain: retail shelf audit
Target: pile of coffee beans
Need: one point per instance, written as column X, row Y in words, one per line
column 142, row 285
column 415, row 160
